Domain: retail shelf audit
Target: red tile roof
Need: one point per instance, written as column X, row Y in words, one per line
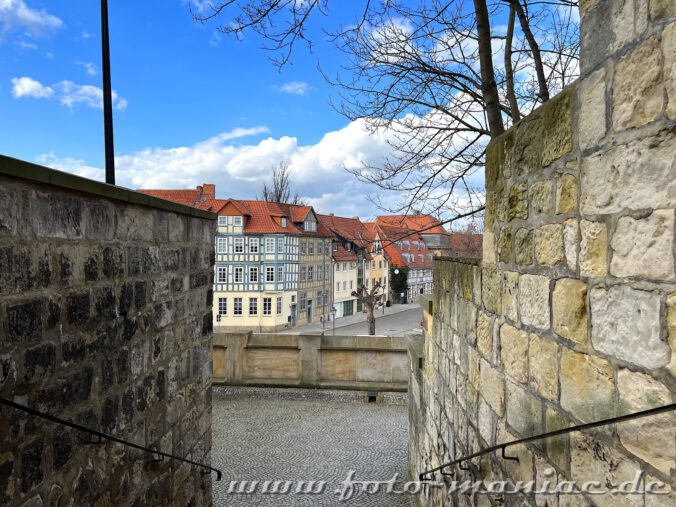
column 426, row 224
column 342, row 254
column 395, row 240
column 351, row 229
column 466, row 245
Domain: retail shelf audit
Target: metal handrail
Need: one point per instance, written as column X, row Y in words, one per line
column 541, row 436
column 106, row 436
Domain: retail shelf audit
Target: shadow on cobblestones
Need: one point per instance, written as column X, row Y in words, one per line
column 298, row 435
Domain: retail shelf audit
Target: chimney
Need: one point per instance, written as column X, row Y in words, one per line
column 209, row 190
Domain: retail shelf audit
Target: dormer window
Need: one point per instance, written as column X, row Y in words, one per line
column 283, row 222
column 222, row 221
column 309, row 225
column 237, row 221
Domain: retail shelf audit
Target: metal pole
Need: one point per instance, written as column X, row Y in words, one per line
column 107, row 96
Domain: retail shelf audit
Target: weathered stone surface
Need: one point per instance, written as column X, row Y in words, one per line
column 569, row 310
column 56, row 215
column 626, row 325
column 493, row 387
column 541, row 200
column 671, row 329
column 636, row 175
column 524, row 411
column 558, row 448
column 510, row 296
column 523, row 247
column 514, row 352
column 517, row 203
column 653, row 439
column 484, row 334
column 505, row 245
column 593, row 249
column 543, row 366
column 566, row 193
column 571, row 229
column 586, row 386
column 527, row 151
column 591, row 460
column 549, row 244
column 592, row 112
column 489, row 249
column 644, row 248
column 534, row 301
column 23, row 321
column 662, row 9
column 669, row 52
column 491, row 290
column 557, row 126
column 637, row 87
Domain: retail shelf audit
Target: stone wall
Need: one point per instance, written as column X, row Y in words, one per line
column 369, row 363
column 571, row 317
column 105, row 311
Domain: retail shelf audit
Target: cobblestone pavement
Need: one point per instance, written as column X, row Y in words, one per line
column 295, row 435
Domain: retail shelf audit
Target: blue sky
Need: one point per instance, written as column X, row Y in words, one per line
column 191, row 106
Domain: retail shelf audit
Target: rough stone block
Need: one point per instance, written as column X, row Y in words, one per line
column 484, row 333
column 99, row 220
column 669, row 52
column 557, row 126
column 523, row 247
column 637, row 88
column 671, row 330
column 569, row 309
column 644, row 248
column 493, row 388
column 557, row 448
column 626, row 325
column 586, row 386
column 541, row 197
column 549, row 244
column 592, row 111
column 528, row 145
column 571, row 229
column 566, row 193
column 593, row 249
column 652, row 439
column 637, row 175
column 510, row 296
column 488, row 248
column 514, row 352
column 517, row 202
column 491, row 290
column 662, row 9
column 32, row 466
column 23, row 321
column 534, row 301
column 56, row 215
column 505, row 245
column 77, row 308
column 524, row 411
column 543, row 365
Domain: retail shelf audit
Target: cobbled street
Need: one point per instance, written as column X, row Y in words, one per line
column 303, row 435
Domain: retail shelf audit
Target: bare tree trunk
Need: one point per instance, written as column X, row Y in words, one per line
column 509, row 70
column 537, row 59
column 490, row 87
column 370, row 316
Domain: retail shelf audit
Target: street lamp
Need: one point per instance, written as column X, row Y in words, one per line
column 107, row 96
column 333, row 318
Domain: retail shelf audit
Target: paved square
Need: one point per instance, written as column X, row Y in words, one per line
column 275, row 434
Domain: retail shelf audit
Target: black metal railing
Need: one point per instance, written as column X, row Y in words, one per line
column 503, row 446
column 104, row 436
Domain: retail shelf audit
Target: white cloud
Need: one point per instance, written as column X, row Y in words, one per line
column 295, row 88
column 89, row 67
column 15, row 14
column 26, row 45
column 238, row 170
column 27, row 87
column 67, row 93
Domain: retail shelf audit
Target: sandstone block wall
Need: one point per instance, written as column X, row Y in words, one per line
column 571, row 316
column 105, row 312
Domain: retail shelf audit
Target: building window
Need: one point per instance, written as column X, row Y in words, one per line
column 237, row 221
column 303, row 273
column 269, row 274
column 222, row 306
column 222, row 274
column 366, row 283
column 380, row 264
column 222, row 221
column 303, row 246
column 373, row 264
column 280, row 245
column 337, row 286
column 283, row 222
column 253, row 306
column 337, row 266
column 310, row 273
column 267, row 306
column 344, row 266
column 237, row 306
column 239, row 245
column 326, row 272
column 269, row 245
column 353, row 265
column 309, row 225
column 335, row 247
column 279, row 306
column 280, row 274
column 320, row 273
column 253, row 274
column 373, row 282
column 253, row 245
column 303, row 301
column 344, row 285
column 221, row 245
column 239, row 274
column 311, row 247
